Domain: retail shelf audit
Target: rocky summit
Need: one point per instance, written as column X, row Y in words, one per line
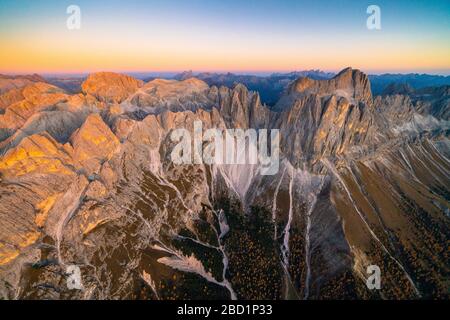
column 87, row 181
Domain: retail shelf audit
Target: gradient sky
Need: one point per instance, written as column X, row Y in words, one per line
column 232, row 35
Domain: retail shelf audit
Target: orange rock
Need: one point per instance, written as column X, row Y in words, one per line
column 110, row 87
column 38, row 152
column 93, row 143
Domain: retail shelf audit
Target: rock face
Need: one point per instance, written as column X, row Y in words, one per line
column 317, row 127
column 110, row 87
column 10, row 97
column 38, row 153
column 8, row 83
column 349, row 83
column 159, row 95
column 87, row 180
column 93, row 143
column 36, row 97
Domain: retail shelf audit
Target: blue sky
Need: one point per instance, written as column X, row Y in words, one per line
column 227, row 35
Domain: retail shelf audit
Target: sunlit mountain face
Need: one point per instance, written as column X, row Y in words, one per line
column 336, row 185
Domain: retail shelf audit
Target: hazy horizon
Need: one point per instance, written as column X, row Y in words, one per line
column 173, row 73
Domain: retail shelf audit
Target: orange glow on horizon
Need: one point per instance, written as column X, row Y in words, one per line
column 78, row 53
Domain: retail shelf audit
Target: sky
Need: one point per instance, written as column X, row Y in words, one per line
column 215, row 35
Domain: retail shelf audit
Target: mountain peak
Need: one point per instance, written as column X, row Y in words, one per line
column 110, row 87
column 347, row 71
column 93, row 143
column 184, row 75
column 350, row 83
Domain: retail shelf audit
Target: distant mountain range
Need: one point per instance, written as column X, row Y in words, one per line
column 272, row 86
